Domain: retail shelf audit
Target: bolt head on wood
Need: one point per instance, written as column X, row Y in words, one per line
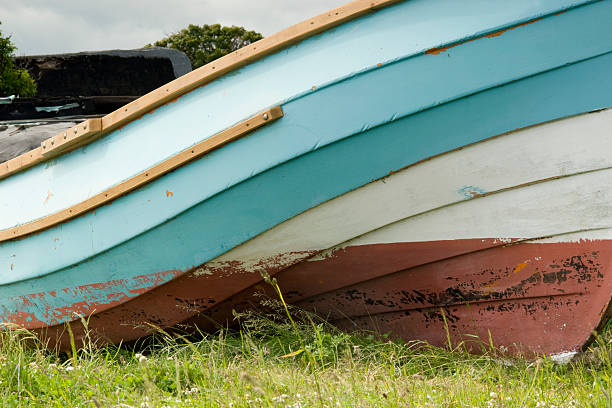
column 265, row 116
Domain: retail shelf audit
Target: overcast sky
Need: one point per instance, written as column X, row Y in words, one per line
column 57, row 26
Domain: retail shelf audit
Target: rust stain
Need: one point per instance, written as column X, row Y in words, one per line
column 169, row 193
column 12, row 267
column 520, row 267
column 174, row 100
column 49, row 195
column 438, row 50
column 500, row 32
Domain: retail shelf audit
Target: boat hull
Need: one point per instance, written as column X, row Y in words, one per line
column 374, row 173
column 515, row 275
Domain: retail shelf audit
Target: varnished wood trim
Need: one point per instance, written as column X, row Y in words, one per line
column 168, row 165
column 74, row 137
column 209, row 73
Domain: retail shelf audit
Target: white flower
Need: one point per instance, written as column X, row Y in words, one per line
column 190, row 391
column 140, row 357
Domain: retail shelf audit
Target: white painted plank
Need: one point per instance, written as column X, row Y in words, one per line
column 560, row 148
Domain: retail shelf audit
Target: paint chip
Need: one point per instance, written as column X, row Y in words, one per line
column 563, row 358
column 49, row 195
column 520, row 267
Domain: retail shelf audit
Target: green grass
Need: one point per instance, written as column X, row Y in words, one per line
column 300, row 362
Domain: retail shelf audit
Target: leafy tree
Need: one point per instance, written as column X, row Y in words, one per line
column 13, row 81
column 206, row 43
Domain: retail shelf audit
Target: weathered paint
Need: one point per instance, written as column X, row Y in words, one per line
column 478, row 293
column 36, row 310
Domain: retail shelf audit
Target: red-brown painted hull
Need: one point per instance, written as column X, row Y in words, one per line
column 527, row 297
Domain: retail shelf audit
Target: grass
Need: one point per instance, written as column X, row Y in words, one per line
column 283, row 359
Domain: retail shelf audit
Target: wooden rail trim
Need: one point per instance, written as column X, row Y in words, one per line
column 147, row 176
column 204, row 75
column 72, row 138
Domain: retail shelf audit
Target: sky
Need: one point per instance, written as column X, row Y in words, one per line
column 59, row 26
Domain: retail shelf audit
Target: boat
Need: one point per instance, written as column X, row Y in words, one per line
column 432, row 170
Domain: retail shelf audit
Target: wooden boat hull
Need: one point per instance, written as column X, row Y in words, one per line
column 393, row 277
column 379, row 184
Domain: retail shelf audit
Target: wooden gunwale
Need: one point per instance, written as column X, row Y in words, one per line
column 202, row 76
column 146, row 176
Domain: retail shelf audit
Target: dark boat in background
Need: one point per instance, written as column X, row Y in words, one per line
column 79, row 86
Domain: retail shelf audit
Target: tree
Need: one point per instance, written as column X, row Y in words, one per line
column 13, row 81
column 206, row 43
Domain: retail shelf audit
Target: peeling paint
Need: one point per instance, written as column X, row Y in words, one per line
column 564, row 357
column 269, row 264
column 520, row 267
column 471, row 191
column 49, row 195
column 59, row 306
column 438, row 50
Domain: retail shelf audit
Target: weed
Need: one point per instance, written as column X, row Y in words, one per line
column 285, row 357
